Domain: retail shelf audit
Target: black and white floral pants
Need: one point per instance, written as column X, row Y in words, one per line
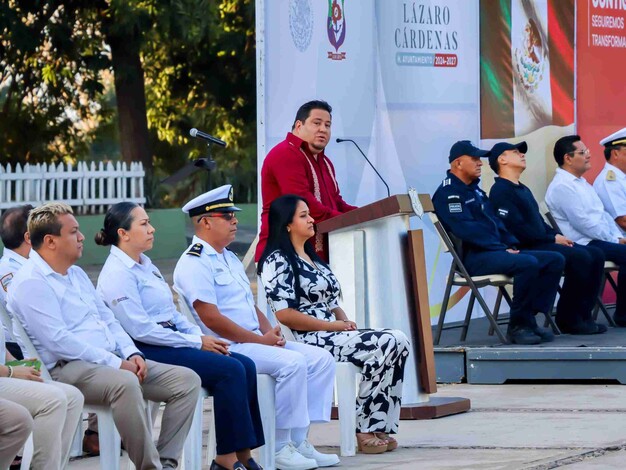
column 381, row 355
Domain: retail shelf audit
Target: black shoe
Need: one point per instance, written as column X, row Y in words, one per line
column 620, row 321
column 545, row 334
column 522, row 335
column 587, row 328
column 237, row 466
column 91, row 443
column 252, row 465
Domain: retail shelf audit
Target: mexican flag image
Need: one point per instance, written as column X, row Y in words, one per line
column 526, row 66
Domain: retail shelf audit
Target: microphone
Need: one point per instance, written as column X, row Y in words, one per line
column 203, row 135
column 367, row 160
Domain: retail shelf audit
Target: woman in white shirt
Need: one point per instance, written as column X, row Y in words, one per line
column 51, row 410
column 142, row 301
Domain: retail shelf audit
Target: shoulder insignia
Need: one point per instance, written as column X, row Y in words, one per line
column 195, row 250
column 610, row 175
column 446, row 182
column 6, row 280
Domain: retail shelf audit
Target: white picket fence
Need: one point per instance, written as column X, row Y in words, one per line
column 89, row 187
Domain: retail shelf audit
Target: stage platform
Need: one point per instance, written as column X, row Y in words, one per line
column 482, row 359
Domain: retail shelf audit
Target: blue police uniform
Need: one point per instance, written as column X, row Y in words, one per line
column 465, row 211
column 142, row 302
column 584, row 265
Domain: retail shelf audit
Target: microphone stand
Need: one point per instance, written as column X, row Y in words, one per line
column 368, row 161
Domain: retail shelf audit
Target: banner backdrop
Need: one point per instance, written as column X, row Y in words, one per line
column 527, row 80
column 600, row 91
column 402, row 78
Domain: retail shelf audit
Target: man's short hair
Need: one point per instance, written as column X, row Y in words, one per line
column 609, row 148
column 13, row 226
column 304, row 111
column 44, row 220
column 564, row 146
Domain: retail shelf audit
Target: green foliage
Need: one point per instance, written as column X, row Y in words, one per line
column 57, row 99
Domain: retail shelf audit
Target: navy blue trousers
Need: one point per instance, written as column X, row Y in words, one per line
column 231, row 381
column 583, row 274
column 536, row 275
column 616, row 253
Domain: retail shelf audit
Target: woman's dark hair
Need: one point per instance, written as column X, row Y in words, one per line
column 118, row 216
column 282, row 212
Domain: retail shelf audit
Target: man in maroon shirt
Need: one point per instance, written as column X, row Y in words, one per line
column 298, row 166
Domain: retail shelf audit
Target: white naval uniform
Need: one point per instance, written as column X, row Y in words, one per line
column 578, row 210
column 304, row 374
column 10, row 263
column 610, row 185
column 141, row 299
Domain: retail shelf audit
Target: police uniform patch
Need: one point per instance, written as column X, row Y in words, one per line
column 610, row 175
column 6, row 280
column 117, row 301
column 503, row 212
column 454, row 196
column 195, row 250
column 455, row 207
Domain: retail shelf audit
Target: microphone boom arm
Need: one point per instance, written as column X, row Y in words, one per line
column 368, row 161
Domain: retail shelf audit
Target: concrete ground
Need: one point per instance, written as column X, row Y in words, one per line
column 577, row 427
column 545, row 426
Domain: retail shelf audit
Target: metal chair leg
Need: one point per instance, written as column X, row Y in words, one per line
column 496, row 309
column 444, row 307
column 600, row 306
column 468, row 317
column 492, row 320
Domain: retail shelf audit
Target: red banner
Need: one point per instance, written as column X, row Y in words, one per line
column 601, row 64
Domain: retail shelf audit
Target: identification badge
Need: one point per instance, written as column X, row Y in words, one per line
column 455, row 207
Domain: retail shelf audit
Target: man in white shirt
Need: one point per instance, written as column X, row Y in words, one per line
column 14, row 235
column 82, row 344
column 610, row 184
column 214, row 282
column 580, row 214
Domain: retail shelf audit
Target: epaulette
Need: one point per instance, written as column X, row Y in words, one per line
column 195, row 250
column 447, row 181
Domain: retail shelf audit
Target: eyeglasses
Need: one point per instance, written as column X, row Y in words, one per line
column 227, row 216
column 579, row 152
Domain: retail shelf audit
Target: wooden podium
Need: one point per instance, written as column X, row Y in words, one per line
column 381, row 266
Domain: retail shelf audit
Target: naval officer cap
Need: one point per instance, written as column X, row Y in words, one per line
column 616, row 138
column 465, row 147
column 217, row 200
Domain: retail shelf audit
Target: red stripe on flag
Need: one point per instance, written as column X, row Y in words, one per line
column 561, row 47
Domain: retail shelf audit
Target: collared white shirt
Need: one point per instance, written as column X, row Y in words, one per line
column 140, row 299
column 64, row 316
column 579, row 211
column 217, row 280
column 611, row 188
column 10, row 263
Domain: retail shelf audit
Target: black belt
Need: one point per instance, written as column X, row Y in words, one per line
column 168, row 324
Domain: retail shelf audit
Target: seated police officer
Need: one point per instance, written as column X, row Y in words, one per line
column 580, row 214
column 517, row 208
column 488, row 248
column 610, row 184
column 215, row 284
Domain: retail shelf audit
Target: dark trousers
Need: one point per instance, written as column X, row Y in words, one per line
column 616, row 253
column 583, row 274
column 536, row 275
column 231, row 380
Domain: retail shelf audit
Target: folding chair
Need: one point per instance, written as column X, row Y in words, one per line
column 609, row 267
column 266, row 391
column 458, row 276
